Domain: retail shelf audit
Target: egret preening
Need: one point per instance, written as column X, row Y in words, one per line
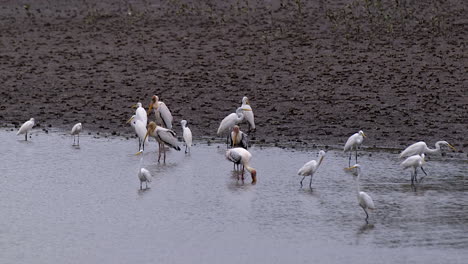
column 353, row 143
column 143, row 174
column 365, row 201
column 76, row 130
column 164, row 136
column 161, row 111
column 248, row 113
column 311, row 167
column 242, row 157
column 25, row 128
column 140, row 113
column 421, row 147
column 230, row 121
column 413, row 162
column 187, row 135
column 237, row 138
column 140, row 130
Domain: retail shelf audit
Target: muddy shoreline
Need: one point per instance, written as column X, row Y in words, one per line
column 315, row 73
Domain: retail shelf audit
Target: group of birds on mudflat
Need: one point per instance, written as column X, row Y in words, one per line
column 237, row 142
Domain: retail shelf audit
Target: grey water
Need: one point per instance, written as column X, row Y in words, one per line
column 65, row 204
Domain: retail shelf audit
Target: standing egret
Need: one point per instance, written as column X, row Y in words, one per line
column 164, row 136
column 311, row 167
column 414, row 162
column 237, row 138
column 76, row 130
column 354, row 142
column 140, row 130
column 25, row 128
column 187, row 134
column 140, row 113
column 242, row 156
column 421, row 147
column 161, row 111
column 365, row 201
column 230, row 121
column 248, row 113
column 143, row 174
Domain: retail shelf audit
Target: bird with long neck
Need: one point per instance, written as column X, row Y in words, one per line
column 354, row 142
column 421, row 148
column 365, row 201
column 164, row 136
column 310, row 168
column 161, row 112
column 242, row 156
column 248, row 113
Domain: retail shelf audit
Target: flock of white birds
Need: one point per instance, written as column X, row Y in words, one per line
column 161, row 130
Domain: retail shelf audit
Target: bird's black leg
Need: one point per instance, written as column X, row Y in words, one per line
column 423, row 170
column 185, row 148
column 26, row 137
column 310, row 183
column 412, row 178
column 141, row 186
column 78, row 139
column 367, row 215
column 416, row 176
column 302, row 180
column 349, row 163
column 356, row 155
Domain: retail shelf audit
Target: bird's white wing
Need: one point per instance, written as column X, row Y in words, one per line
column 233, row 156
column 411, row 161
column 76, row 129
column 187, row 134
column 227, row 123
column 351, row 141
column 416, row 148
column 25, row 127
column 308, row 168
column 140, row 129
column 166, row 115
column 369, row 203
column 168, row 137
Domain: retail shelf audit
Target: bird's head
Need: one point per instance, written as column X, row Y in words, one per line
column 245, row 100
column 321, row 156
column 354, row 170
column 153, row 103
column 253, row 173
column 236, row 129
column 183, row 123
column 362, row 133
column 137, row 105
column 448, row 145
column 32, row 119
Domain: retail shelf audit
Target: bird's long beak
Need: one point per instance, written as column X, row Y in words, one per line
column 150, row 108
column 139, row 152
column 350, row 168
column 146, row 135
column 134, row 106
column 130, row 120
column 320, row 161
column 364, row 135
column 247, row 101
column 452, row 147
column 246, row 109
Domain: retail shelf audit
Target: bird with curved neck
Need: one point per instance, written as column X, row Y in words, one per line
column 248, row 113
column 25, row 128
column 365, row 201
column 353, row 143
column 421, row 148
column 164, row 136
column 414, row 162
column 76, row 130
column 161, row 112
column 229, row 122
column 310, row 168
column 242, row 157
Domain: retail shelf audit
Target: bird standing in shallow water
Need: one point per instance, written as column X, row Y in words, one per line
column 25, row 128
column 354, row 142
column 76, row 130
column 414, row 162
column 143, row 174
column 140, row 130
column 237, row 138
column 365, row 201
column 164, row 136
column 310, row 168
column 242, row 157
column 187, row 135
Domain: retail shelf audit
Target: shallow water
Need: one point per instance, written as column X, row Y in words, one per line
column 62, row 204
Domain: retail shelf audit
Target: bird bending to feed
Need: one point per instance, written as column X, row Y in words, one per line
column 242, row 156
column 414, row 162
column 76, row 130
column 140, row 113
column 237, row 138
column 25, row 128
column 230, row 121
column 248, row 113
column 421, row 147
column 311, row 167
column 143, row 174
column 164, row 136
column 187, row 135
column 161, row 112
column 140, row 130
column 353, row 143
column 365, row 201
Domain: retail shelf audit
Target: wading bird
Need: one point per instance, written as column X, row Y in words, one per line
column 140, row 130
column 76, row 130
column 161, row 112
column 164, row 136
column 248, row 113
column 230, row 121
column 187, row 135
column 140, row 113
column 413, row 162
column 353, row 143
column 365, row 201
column 421, row 147
column 237, row 138
column 25, row 128
column 311, row 167
column 242, row 157
column 143, row 174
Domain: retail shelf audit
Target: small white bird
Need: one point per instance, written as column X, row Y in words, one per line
column 353, row 143
column 25, row 128
column 145, row 176
column 237, row 138
column 140, row 130
column 248, row 113
column 365, row 201
column 187, row 134
column 421, row 147
column 76, row 130
column 161, row 112
column 140, row 113
column 164, row 136
column 311, row 167
column 414, row 162
column 230, row 121
column 242, row 157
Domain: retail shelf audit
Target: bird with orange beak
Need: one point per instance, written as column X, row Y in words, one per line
column 161, row 112
column 241, row 156
column 237, row 138
column 164, row 136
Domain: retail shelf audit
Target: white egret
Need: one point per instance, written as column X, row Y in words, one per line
column 237, row 138
column 76, row 130
column 187, row 135
column 311, row 167
column 365, row 201
column 230, row 121
column 248, row 113
column 164, row 136
column 353, row 143
column 140, row 113
column 413, row 162
column 143, row 174
column 161, row 111
column 421, row 147
column 242, row 157
column 25, row 128
column 140, row 130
